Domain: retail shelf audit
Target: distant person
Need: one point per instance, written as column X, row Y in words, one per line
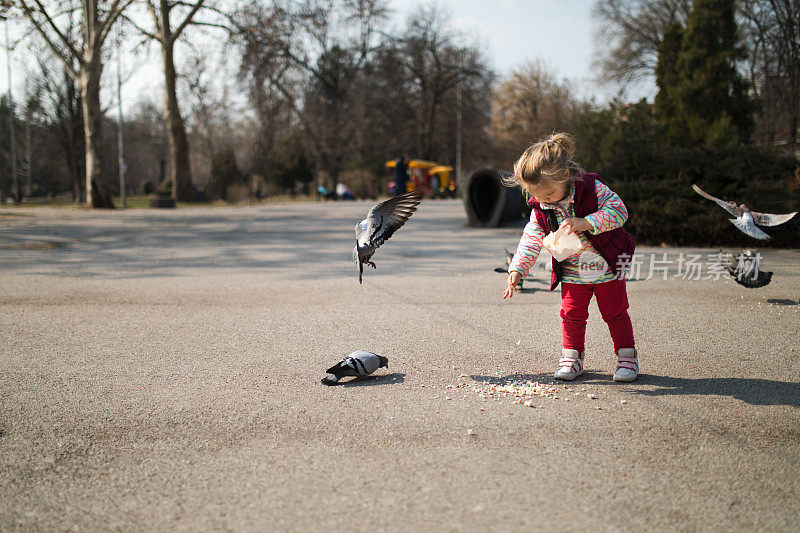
column 435, row 186
column 343, row 192
column 400, row 174
column 561, row 193
column 325, row 194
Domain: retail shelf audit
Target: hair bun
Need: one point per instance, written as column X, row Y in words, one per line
column 565, row 141
column 546, row 161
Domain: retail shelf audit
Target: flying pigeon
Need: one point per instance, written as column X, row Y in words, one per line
column 746, row 220
column 359, row 363
column 744, row 267
column 381, row 223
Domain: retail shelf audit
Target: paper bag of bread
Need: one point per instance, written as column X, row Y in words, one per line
column 561, row 245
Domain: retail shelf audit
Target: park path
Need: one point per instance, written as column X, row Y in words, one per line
column 160, row 370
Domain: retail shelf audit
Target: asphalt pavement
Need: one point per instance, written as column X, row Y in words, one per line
column 160, row 370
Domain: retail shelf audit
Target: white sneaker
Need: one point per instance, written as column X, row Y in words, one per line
column 570, row 366
column 627, row 365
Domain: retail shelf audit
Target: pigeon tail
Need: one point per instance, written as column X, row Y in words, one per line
column 357, row 259
column 337, row 370
column 330, row 379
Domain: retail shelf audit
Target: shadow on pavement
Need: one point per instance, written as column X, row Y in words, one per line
column 749, row 390
column 783, row 301
column 546, row 378
column 383, row 379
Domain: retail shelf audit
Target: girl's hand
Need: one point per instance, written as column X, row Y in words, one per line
column 574, row 224
column 512, row 282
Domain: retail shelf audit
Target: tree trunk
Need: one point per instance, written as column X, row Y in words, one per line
column 176, row 130
column 96, row 191
column 431, row 129
column 794, row 107
column 76, row 186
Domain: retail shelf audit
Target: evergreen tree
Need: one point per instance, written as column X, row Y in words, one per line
column 710, row 95
column 224, row 173
column 672, row 123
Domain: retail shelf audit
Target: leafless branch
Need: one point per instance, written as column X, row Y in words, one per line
column 182, row 25
column 50, row 22
column 50, row 44
column 111, row 18
column 139, row 28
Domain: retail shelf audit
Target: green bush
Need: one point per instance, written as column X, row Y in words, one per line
column 165, row 188
column 663, row 207
column 624, row 144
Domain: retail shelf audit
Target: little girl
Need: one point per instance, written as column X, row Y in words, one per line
column 563, row 194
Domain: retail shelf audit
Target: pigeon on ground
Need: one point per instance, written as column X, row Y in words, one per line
column 504, row 270
column 546, row 266
column 359, row 363
column 381, row 223
column 745, row 269
column 509, row 258
column 746, row 220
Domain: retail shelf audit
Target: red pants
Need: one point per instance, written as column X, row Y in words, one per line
column 612, row 299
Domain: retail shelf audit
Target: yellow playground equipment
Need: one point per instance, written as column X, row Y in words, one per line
column 437, row 181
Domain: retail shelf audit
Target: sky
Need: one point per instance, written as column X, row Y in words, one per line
column 510, row 31
column 558, row 33
column 513, row 32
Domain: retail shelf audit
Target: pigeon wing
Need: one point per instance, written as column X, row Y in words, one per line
column 366, row 362
column 754, row 282
column 345, row 367
column 747, row 226
column 768, row 219
column 389, row 216
column 730, row 207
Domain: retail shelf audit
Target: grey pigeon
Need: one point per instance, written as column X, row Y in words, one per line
column 359, row 363
column 745, row 269
column 509, row 258
column 381, row 223
column 504, row 270
column 746, row 220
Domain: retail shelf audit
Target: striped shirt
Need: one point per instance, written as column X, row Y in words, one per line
column 586, row 266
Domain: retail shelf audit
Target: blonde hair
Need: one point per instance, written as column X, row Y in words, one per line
column 546, row 162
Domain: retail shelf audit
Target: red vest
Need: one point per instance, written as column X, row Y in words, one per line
column 609, row 244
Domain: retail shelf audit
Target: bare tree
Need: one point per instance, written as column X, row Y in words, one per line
column 84, row 63
column 34, row 89
column 170, row 18
column 436, row 62
column 631, row 31
column 530, row 103
column 148, row 147
column 215, row 118
column 771, row 34
column 62, row 109
column 311, row 55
